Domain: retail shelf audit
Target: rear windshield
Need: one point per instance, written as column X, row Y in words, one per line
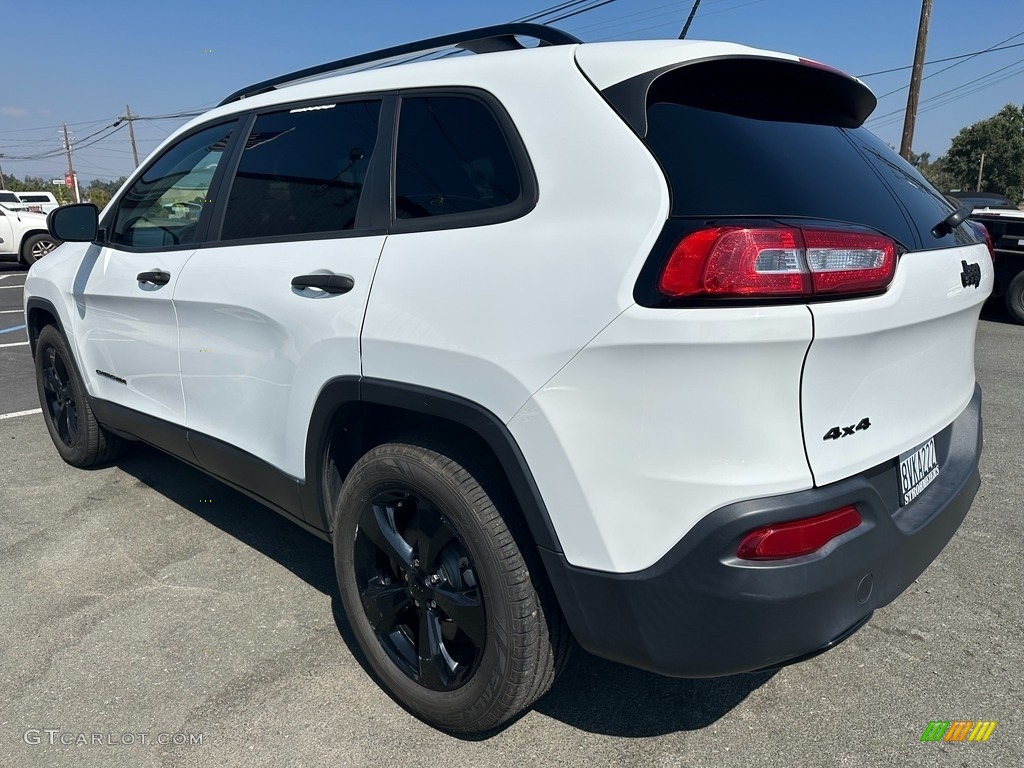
column 9, row 197
column 721, row 164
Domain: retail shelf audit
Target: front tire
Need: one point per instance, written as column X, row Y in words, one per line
column 79, row 438
column 1015, row 298
column 37, row 246
column 441, row 599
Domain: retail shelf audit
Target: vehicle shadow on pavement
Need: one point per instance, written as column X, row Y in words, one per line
column 610, row 699
column 592, row 694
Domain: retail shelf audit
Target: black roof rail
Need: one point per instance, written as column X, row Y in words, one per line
column 501, row 37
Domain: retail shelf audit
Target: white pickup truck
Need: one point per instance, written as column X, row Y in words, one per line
column 23, row 235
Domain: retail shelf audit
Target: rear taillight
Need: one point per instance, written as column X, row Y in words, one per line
column 779, row 262
column 797, row 537
column 982, row 231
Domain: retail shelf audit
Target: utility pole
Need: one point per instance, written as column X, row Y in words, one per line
column 71, row 168
column 689, row 19
column 915, row 80
column 131, row 134
column 2, row 182
column 980, row 169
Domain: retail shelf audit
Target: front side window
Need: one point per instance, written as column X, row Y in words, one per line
column 452, row 158
column 302, row 171
column 163, row 207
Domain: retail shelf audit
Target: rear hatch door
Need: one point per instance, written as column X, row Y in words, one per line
column 745, row 137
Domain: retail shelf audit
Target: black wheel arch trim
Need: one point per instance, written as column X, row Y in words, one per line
column 423, row 401
column 44, row 305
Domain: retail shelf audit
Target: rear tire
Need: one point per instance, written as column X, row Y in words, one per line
column 1015, row 298
column 79, row 438
column 37, row 246
column 452, row 615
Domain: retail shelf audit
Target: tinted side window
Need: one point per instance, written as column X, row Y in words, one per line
column 163, row 207
column 302, row 171
column 452, row 158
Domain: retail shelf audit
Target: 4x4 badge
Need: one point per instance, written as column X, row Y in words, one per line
column 837, row 432
column 971, row 274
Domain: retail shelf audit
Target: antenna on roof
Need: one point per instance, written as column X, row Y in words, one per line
column 689, row 19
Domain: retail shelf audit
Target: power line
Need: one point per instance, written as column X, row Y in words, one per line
column 955, row 64
column 887, row 119
column 673, row 23
column 568, row 15
column 948, row 58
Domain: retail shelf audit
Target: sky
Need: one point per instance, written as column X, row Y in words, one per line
column 82, row 62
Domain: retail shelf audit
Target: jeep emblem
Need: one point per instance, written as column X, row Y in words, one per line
column 971, row 274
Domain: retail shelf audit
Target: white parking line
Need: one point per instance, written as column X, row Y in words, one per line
column 11, row 311
column 10, row 286
column 15, row 344
column 20, row 413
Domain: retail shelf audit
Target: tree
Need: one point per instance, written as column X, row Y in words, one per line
column 1001, row 138
column 934, row 171
column 97, row 192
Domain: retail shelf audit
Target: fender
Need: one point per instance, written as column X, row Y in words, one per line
column 351, row 390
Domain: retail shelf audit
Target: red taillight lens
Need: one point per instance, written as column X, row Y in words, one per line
column 777, row 262
column 849, row 262
column 982, row 231
column 797, row 537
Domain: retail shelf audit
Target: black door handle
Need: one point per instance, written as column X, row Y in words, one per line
column 156, row 277
column 326, row 283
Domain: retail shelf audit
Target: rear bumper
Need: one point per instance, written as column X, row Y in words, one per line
column 702, row 612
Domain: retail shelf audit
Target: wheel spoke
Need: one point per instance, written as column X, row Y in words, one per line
column 435, row 669
column 63, row 425
column 72, row 415
column 382, row 532
column 50, row 383
column 464, row 608
column 432, row 536
column 383, row 603
column 61, row 370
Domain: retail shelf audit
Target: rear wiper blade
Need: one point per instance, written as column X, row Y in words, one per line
column 954, row 220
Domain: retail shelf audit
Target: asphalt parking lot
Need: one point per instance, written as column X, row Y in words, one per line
column 145, row 599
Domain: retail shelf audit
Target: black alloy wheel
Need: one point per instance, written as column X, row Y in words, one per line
column 419, row 589
column 59, row 395
column 76, row 434
column 441, row 583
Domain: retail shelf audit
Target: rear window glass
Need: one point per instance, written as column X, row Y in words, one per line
column 730, row 165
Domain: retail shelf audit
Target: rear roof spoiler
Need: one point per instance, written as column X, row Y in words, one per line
column 759, row 87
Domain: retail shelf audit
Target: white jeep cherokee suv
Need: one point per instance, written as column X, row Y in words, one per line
column 647, row 344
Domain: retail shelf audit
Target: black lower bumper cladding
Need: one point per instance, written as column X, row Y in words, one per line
column 702, row 612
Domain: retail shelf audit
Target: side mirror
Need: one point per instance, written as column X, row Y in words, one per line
column 74, row 223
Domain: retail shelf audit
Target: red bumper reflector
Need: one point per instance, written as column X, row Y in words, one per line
column 797, row 537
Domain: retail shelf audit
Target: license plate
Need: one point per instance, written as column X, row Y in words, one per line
column 918, row 469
